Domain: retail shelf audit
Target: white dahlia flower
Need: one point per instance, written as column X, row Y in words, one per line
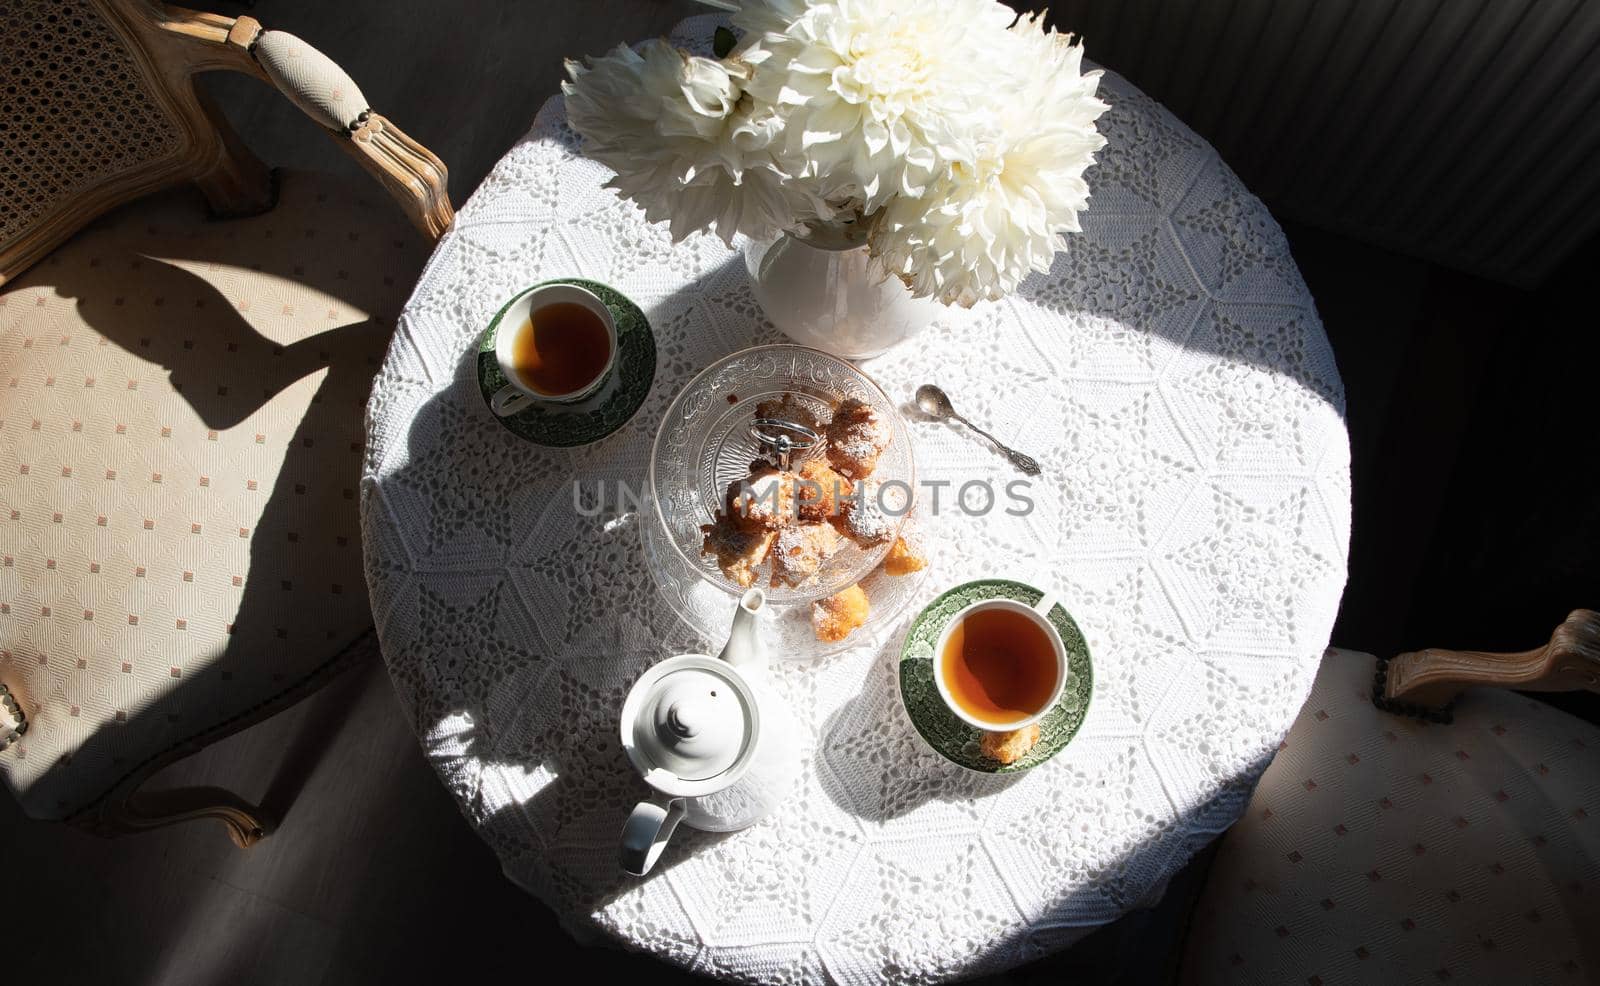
column 873, row 93
column 683, row 143
column 953, row 132
column 999, row 211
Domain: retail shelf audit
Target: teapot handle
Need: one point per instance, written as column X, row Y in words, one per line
column 647, row 830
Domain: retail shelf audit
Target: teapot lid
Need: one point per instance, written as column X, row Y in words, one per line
column 694, row 721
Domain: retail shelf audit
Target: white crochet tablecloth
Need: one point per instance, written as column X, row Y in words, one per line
column 1172, row 377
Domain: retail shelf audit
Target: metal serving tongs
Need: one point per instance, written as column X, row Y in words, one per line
column 783, row 438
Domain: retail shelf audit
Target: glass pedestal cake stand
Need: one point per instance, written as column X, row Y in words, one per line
column 705, row 443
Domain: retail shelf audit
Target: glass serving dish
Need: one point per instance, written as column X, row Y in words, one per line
column 706, row 443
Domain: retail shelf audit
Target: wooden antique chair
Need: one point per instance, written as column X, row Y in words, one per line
column 1397, row 839
column 180, row 399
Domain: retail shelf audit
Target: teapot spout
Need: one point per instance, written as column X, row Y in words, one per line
column 744, row 646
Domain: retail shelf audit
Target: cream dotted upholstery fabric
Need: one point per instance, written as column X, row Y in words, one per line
column 180, row 446
column 1380, row 849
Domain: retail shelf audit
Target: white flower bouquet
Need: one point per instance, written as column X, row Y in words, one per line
column 950, row 136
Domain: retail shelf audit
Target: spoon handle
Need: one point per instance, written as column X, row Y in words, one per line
column 1026, row 464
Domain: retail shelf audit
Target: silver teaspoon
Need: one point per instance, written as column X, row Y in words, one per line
column 936, row 404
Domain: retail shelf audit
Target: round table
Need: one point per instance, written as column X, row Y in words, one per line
column 1171, row 375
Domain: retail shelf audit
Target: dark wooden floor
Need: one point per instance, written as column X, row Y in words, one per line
column 1472, row 416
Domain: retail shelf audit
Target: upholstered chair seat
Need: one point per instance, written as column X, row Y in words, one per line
column 1383, row 849
column 181, row 409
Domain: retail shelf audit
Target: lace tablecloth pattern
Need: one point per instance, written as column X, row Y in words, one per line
column 1172, row 376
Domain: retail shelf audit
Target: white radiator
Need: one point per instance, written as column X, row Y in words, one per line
column 1464, row 131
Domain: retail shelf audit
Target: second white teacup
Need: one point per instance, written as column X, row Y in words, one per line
column 1000, row 664
column 518, row 328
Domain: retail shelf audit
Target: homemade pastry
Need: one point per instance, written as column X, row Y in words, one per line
column 856, row 437
column 863, row 519
column 739, row 548
column 800, row 550
column 798, row 519
column 788, row 408
column 822, row 501
column 836, row 617
column 764, row 498
column 902, row 559
column 1010, row 746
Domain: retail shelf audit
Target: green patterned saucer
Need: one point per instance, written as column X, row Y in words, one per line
column 589, row 420
column 949, row 736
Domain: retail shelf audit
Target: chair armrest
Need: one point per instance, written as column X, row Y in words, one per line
column 325, row 92
column 13, row 722
column 1434, row 677
column 312, row 81
column 412, row 174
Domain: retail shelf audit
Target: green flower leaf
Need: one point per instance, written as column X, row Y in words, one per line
column 722, row 42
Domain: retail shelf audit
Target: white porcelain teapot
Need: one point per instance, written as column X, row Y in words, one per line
column 706, row 733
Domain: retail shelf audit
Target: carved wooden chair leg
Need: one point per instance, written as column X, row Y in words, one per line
column 134, row 810
column 237, row 184
column 128, row 808
column 1432, row 678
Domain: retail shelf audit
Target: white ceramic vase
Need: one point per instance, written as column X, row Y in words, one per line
column 821, row 291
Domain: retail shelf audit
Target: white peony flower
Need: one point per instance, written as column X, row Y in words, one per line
column 684, row 144
column 999, row 211
column 873, row 94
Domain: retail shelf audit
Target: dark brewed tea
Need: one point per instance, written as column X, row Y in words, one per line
column 999, row 665
column 560, row 349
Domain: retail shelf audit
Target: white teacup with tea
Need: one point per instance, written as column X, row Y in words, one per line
column 556, row 345
column 1000, row 664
